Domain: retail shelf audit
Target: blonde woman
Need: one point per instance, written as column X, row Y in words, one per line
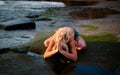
column 66, row 41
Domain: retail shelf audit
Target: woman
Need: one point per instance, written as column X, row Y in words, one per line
column 65, row 41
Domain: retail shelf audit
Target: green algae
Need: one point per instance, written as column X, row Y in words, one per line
column 101, row 37
column 90, row 27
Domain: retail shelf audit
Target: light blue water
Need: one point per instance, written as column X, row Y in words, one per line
column 16, row 9
column 10, row 10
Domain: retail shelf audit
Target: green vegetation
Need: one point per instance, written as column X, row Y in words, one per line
column 101, row 37
column 90, row 27
column 37, row 45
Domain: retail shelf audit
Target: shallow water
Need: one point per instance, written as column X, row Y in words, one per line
column 10, row 10
column 60, row 68
column 23, row 8
column 93, row 70
column 15, row 38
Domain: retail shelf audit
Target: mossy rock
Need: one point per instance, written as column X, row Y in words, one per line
column 90, row 27
column 101, row 37
column 37, row 44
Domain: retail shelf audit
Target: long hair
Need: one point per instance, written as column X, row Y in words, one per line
column 63, row 35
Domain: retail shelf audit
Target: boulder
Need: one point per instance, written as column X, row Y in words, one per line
column 19, row 24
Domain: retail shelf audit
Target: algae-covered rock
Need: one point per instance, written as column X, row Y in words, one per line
column 37, row 44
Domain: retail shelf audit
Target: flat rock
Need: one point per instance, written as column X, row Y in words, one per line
column 19, row 24
column 12, row 63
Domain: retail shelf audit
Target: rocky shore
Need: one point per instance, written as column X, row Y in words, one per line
column 21, row 50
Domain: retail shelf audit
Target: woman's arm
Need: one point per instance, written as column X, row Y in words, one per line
column 73, row 54
column 49, row 52
column 47, row 41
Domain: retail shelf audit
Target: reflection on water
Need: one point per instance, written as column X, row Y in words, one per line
column 93, row 70
column 55, row 64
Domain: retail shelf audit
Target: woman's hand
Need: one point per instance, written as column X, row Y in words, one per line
column 56, row 50
column 59, row 46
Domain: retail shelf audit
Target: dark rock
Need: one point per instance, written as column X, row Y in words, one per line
column 32, row 16
column 92, row 13
column 23, row 50
column 19, row 24
column 43, row 19
column 2, row 27
column 13, row 63
column 4, row 50
column 51, row 25
column 79, row 3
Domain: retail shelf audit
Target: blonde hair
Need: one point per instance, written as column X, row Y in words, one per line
column 63, row 35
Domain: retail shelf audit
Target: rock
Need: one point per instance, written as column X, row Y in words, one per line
column 79, row 3
column 19, row 24
column 37, row 43
column 2, row 27
column 43, row 19
column 23, row 50
column 4, row 50
column 32, row 16
column 12, row 63
column 92, row 13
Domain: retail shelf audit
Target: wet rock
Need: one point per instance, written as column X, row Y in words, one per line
column 92, row 13
column 19, row 24
column 37, row 43
column 32, row 16
column 43, row 19
column 79, row 3
column 4, row 50
column 2, row 27
column 23, row 51
column 112, row 0
column 12, row 63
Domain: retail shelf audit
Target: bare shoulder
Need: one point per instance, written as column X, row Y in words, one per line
column 68, row 28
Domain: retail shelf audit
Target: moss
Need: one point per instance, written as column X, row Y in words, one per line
column 101, row 37
column 90, row 27
column 37, row 45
